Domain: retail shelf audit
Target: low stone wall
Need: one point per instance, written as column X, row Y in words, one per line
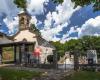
column 44, row 66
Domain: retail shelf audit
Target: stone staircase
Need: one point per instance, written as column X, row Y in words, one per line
column 62, row 59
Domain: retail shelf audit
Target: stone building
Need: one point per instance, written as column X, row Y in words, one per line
column 27, row 32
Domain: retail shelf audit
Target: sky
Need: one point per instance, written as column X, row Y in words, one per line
column 56, row 22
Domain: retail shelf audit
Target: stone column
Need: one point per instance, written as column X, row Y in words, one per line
column 15, row 53
column 23, row 53
column 0, row 55
column 27, row 53
column 20, row 54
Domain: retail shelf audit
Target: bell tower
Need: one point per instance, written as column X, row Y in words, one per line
column 24, row 21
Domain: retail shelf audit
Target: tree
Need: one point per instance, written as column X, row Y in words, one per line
column 21, row 4
column 35, row 30
column 96, row 3
column 57, row 1
column 73, row 44
column 79, row 46
column 60, row 48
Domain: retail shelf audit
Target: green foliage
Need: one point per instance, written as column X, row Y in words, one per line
column 58, row 45
column 83, row 3
column 35, row 30
column 81, row 45
column 8, row 49
column 57, row 1
column 20, row 3
column 11, row 74
column 96, row 3
column 60, row 53
column 96, row 6
column 60, row 48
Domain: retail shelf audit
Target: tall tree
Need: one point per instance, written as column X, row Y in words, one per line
column 80, row 45
column 60, row 48
column 21, row 4
column 57, row 1
column 35, row 30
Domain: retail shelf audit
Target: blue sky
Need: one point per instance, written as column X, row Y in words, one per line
column 55, row 21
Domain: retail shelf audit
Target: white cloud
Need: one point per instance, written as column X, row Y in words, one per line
column 91, row 27
column 55, row 39
column 33, row 6
column 50, row 33
column 63, row 12
column 72, row 30
column 9, row 10
column 48, row 21
column 57, row 20
column 8, row 7
column 33, row 20
column 12, row 24
column 67, row 39
column 36, row 6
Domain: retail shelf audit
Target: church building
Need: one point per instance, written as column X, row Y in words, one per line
column 28, row 33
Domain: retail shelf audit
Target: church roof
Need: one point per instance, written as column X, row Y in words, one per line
column 4, row 39
column 43, row 42
column 25, row 13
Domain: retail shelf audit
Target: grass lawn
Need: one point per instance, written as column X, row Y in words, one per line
column 11, row 74
column 84, row 75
